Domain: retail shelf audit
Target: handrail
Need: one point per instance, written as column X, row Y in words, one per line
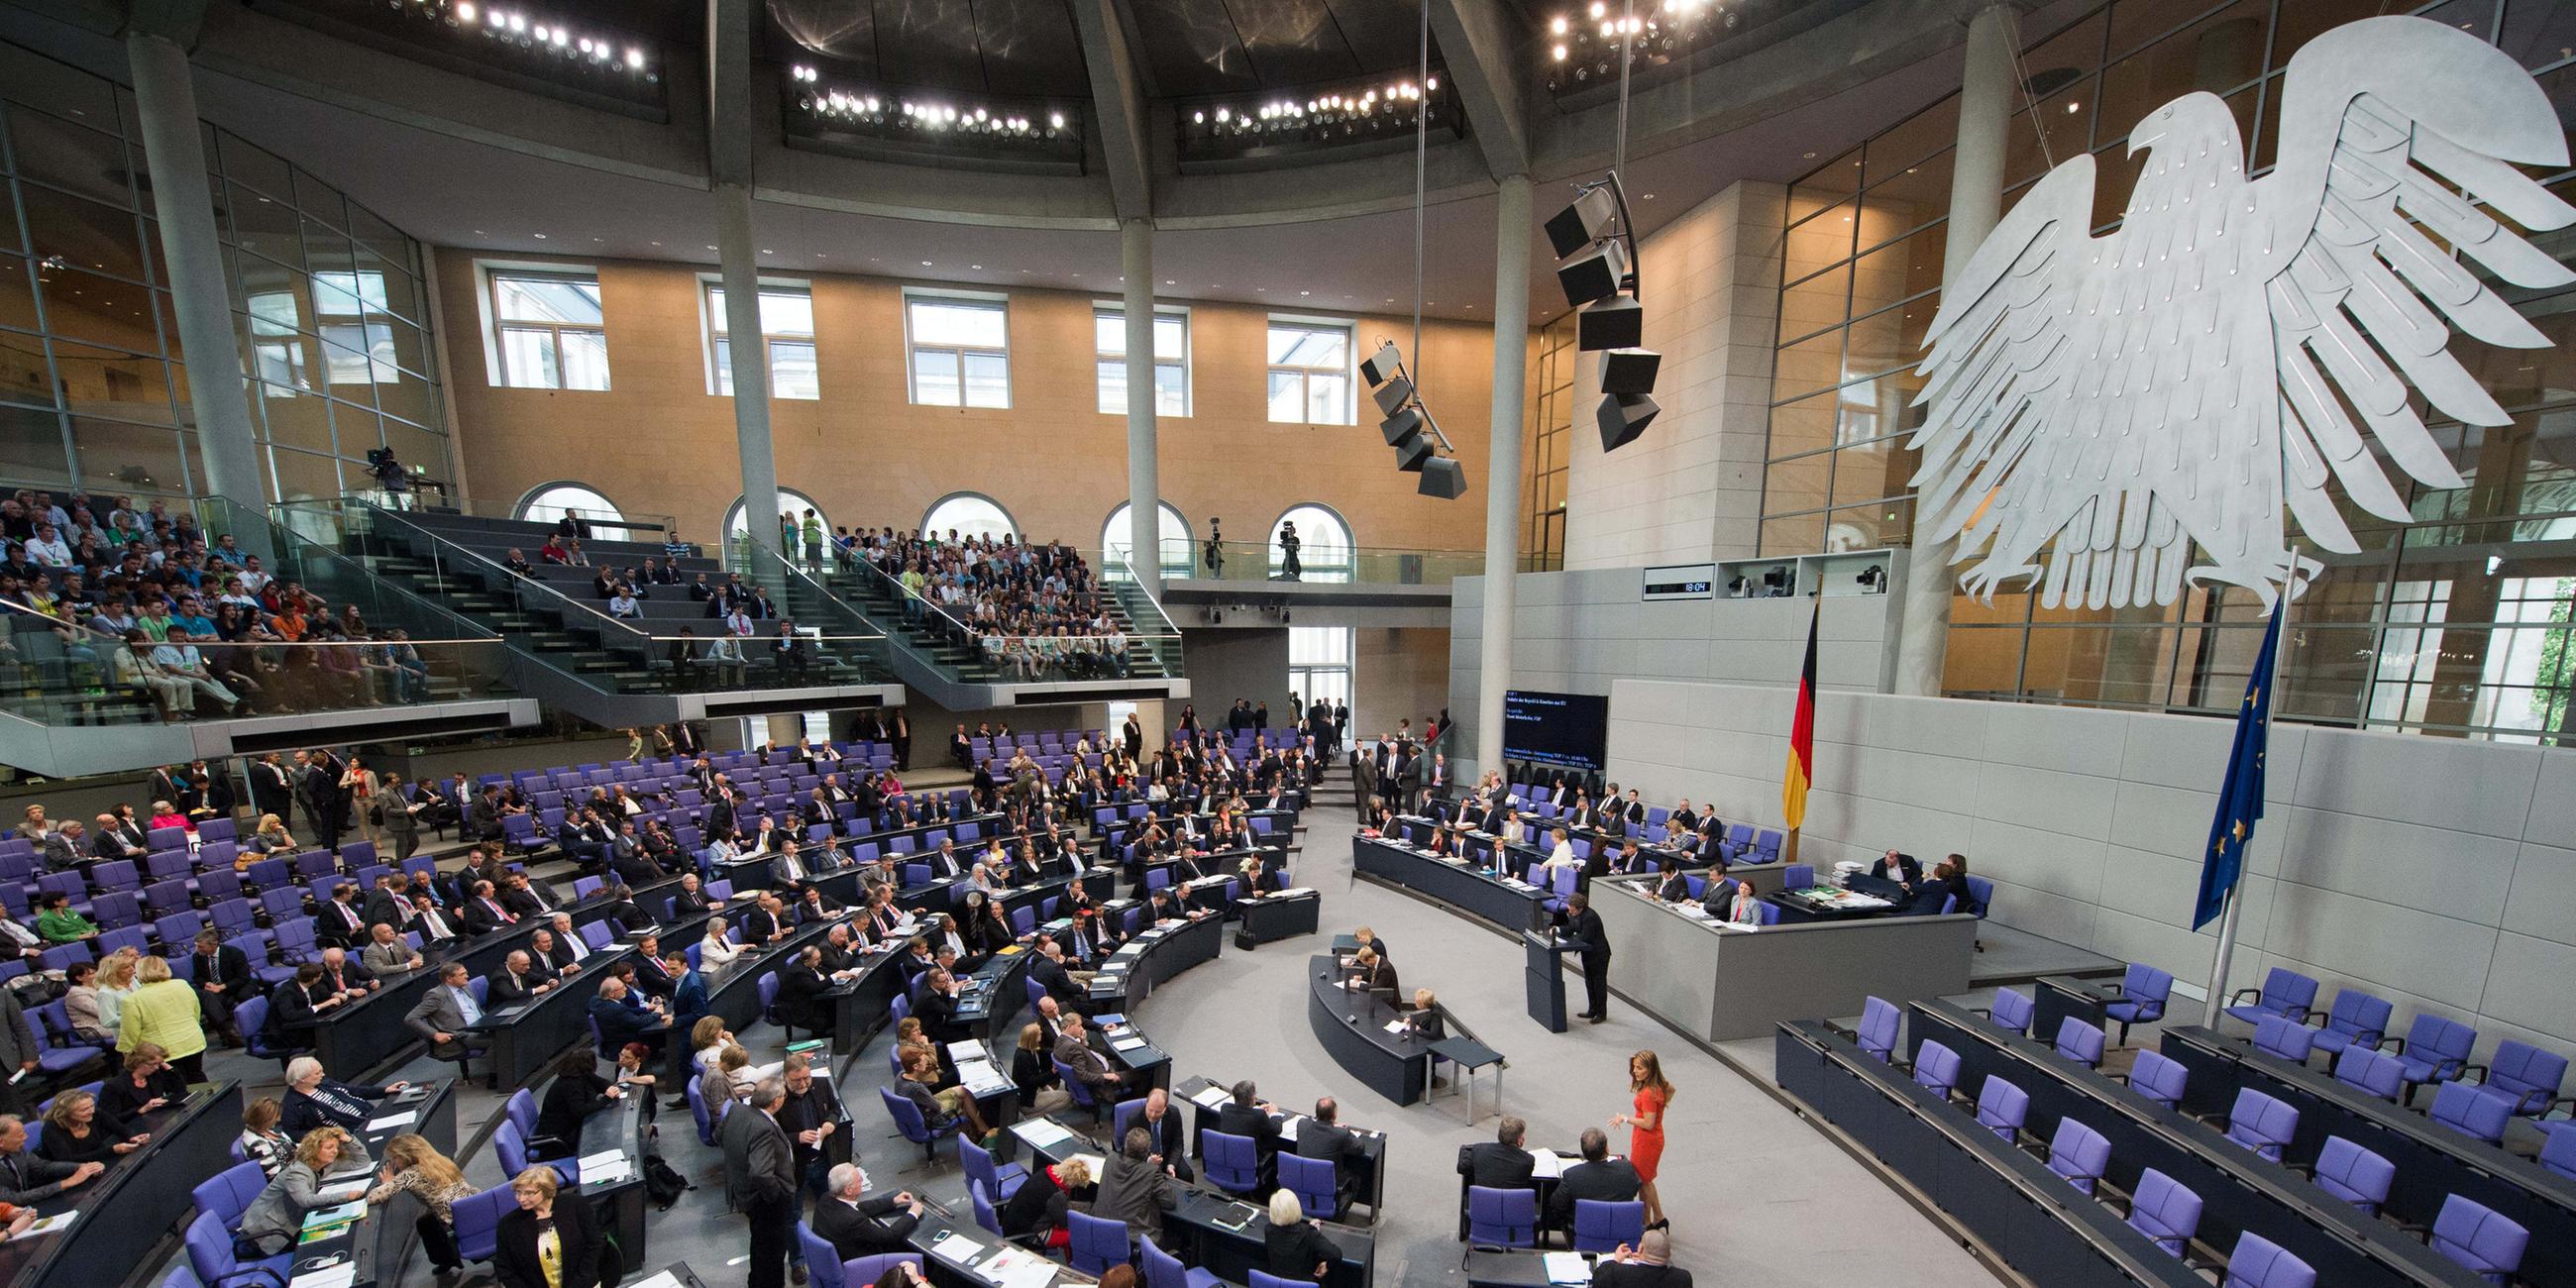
column 1168, row 627
column 904, row 595
column 214, row 511
column 661, row 523
column 60, row 623
column 519, row 586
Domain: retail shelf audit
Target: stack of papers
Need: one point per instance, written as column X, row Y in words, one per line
column 956, row 1247
column 1546, row 1164
column 665, row 1279
column 605, row 1166
column 1211, row 1097
column 391, row 1121
column 57, row 1221
column 1044, row 1133
column 1125, row 1045
column 339, row 1272
column 1566, row 1267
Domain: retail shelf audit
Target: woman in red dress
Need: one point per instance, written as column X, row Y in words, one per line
column 1645, row 1124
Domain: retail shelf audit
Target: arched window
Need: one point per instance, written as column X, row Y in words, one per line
column 1324, row 550
column 547, row 502
column 790, row 501
column 1174, row 538
column 972, row 514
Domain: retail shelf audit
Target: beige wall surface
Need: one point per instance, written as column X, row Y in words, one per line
column 658, row 443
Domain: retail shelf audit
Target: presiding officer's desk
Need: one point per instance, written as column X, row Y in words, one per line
column 1723, row 983
column 1208, row 1230
column 2032, row 1219
column 1368, row 1180
column 140, row 1196
column 2433, row 1162
column 1504, row 901
column 1352, row 1026
column 2239, row 1190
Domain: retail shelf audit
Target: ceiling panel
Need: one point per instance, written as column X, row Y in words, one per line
column 1192, row 48
column 930, row 42
column 1383, row 37
column 1022, row 48
column 1031, row 49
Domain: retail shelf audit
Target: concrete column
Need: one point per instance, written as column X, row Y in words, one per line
column 739, row 260
column 1503, row 431
column 174, row 154
column 1986, row 95
column 1144, row 473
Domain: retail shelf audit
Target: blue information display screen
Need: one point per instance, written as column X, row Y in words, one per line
column 1565, row 730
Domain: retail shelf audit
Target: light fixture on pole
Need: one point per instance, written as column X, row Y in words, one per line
column 1409, row 428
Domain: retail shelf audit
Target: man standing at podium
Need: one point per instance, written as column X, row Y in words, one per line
column 1578, row 924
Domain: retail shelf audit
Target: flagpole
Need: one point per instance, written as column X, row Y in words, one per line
column 2218, row 960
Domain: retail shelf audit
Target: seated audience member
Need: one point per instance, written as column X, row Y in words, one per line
column 260, row 1140
column 315, row 1100
column 1037, row 1211
column 858, row 1226
column 545, row 1244
column 147, row 1084
column 578, row 1091
column 1648, row 1265
column 1598, row 1176
column 1293, row 1246
column 944, row 1106
column 1500, row 1163
column 272, row 1221
column 77, row 1131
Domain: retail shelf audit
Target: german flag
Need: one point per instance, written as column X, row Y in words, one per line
column 1802, row 736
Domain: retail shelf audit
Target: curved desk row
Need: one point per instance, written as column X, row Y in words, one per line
column 2032, row 1219
column 1208, row 1230
column 1507, row 902
column 1368, row 1180
column 1128, row 976
column 355, row 1040
column 1352, row 1025
column 752, row 872
column 2239, row 1189
column 2433, row 1162
column 145, row 1194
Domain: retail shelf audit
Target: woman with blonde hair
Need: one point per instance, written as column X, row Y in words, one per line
column 147, row 1084
column 707, row 1042
column 1653, row 1097
column 734, row 1074
column 272, row 1220
column 260, row 1140
column 78, row 1130
column 413, row 1164
column 545, row 1244
column 163, row 1012
column 115, row 985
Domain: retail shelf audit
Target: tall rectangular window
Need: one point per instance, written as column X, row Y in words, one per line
column 1310, row 373
column 357, row 329
column 1171, row 360
column 548, row 330
column 960, row 350
column 787, row 324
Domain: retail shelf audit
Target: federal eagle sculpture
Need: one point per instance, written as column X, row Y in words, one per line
column 2235, row 344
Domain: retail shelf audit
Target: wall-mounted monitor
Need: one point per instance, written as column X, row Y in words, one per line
column 1562, row 730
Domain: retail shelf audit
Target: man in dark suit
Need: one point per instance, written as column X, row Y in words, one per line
column 317, row 788
column 800, row 993
column 1598, row 1176
column 272, row 789
column 1371, row 970
column 691, row 898
column 1324, row 1137
column 1903, row 869
column 760, row 1180
column 1074, row 1051
column 481, row 913
column 529, row 897
column 936, row 1008
column 1247, row 1115
column 1500, row 1163
column 1645, row 1266
column 339, row 923
column 1171, row 1139
column 1048, row 969
column 515, row 982
column 622, row 1016
column 223, row 980
column 857, row 1226
column 1577, row 923
column 299, row 1003
column 810, row 1114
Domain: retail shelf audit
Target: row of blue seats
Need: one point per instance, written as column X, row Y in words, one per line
column 2467, row 1232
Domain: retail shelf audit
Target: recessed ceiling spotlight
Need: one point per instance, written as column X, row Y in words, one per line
column 478, row 232
column 1811, row 156
column 925, row 263
column 634, row 57
column 767, row 251
column 977, row 267
column 538, row 236
column 1169, row 282
column 1305, row 292
column 657, row 243
column 1650, row 196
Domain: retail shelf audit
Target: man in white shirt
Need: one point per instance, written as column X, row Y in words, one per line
column 180, row 660
column 252, row 579
column 47, row 547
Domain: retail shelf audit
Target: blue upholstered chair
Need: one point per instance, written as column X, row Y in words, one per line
column 2013, row 1011
column 2284, row 992
column 2353, row 1174
column 1879, row 1022
column 2080, row 1041
column 2161, row 1209
column 1232, row 1163
column 1502, row 1218
column 2356, row 1019
column 2376, row 1072
column 2159, row 1079
column 2257, row 1262
column 1602, row 1227
column 2480, row 1238
column 2078, row 1153
column 2284, row 1038
column 2002, row 1108
column 2144, row 990
column 1936, row 1069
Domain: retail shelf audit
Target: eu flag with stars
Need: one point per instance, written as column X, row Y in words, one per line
column 2240, row 797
